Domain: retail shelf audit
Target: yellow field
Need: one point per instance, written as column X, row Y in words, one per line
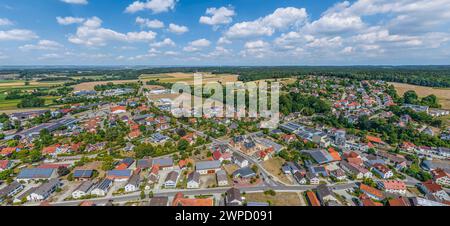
column 274, row 165
column 280, row 199
column 443, row 94
column 189, row 77
column 91, row 85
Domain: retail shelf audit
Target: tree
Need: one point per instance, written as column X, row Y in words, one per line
column 410, row 97
column 143, row 150
column 62, row 171
column 182, row 145
column 108, row 163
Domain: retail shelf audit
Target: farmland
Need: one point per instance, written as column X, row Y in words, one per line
column 443, row 94
column 189, row 77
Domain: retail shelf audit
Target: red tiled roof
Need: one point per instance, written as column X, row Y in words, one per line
column 179, row 200
column 371, row 190
column 4, row 164
column 312, row 198
column 401, row 201
column 334, row 154
column 374, row 139
column 432, row 186
column 394, row 185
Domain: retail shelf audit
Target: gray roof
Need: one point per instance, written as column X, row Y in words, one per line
column 221, row 175
column 244, row 172
column 85, row 186
column 194, row 176
column 47, row 187
column 35, row 173
column 233, row 194
column 134, row 180
column 104, row 184
column 172, row 176
column 323, row 191
column 159, row 201
column 10, row 188
column 206, row 165
column 168, row 161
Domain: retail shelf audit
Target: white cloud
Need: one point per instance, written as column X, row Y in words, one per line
column 256, row 49
column 17, row 35
column 197, row 45
column 5, row 22
column 77, row 2
column 171, row 53
column 42, row 45
column 280, row 19
column 223, row 40
column 91, row 33
column 149, row 23
column 69, row 20
column 156, row 6
column 178, row 29
column 218, row 16
column 163, row 43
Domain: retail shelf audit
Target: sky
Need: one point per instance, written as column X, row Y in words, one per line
column 220, row 33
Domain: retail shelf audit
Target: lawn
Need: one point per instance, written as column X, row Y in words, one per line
column 280, row 198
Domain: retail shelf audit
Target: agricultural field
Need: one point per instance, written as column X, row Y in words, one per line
column 280, row 198
column 91, row 85
column 189, row 77
column 443, row 94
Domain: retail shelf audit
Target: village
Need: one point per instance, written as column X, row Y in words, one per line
column 126, row 148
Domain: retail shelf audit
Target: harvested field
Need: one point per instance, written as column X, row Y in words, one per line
column 189, row 77
column 91, row 85
column 443, row 94
column 280, row 198
column 273, row 166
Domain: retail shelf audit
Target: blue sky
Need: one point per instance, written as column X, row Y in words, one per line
column 219, row 32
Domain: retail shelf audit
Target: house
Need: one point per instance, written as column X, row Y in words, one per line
column 163, row 163
column 193, row 180
column 153, row 177
column 7, row 151
column 28, row 174
column 392, row 186
column 382, row 170
column 245, row 172
column 82, row 189
column 222, row 178
column 371, row 192
column 171, row 179
column 287, row 138
column 239, row 160
column 324, row 194
column 313, row 179
column 339, row 174
column 441, row 177
column 133, row 183
column 5, row 165
column 318, row 171
column 367, row 201
column 10, row 190
column 180, row 200
column 144, row 164
column 82, row 174
column 207, row 167
column 159, row 201
column 300, row 178
column 118, row 110
column 119, row 175
column 400, row 201
column 430, row 187
column 44, row 191
column 312, row 198
column 125, row 163
column 233, row 197
column 358, row 171
column 101, row 189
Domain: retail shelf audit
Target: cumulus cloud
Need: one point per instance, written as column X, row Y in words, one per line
column 163, row 43
column 144, row 22
column 178, row 29
column 197, row 45
column 76, row 2
column 281, row 18
column 5, row 22
column 90, row 33
column 69, row 20
column 218, row 16
column 42, row 45
column 256, row 49
column 17, row 35
column 156, row 6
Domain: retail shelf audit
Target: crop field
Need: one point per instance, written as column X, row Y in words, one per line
column 91, row 85
column 443, row 94
column 189, row 77
column 280, row 198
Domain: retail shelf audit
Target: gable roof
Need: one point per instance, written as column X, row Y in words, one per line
column 32, row 173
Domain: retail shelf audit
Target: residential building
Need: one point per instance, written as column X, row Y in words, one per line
column 44, row 191
column 233, row 197
column 392, row 186
column 222, row 178
column 82, row 190
column 28, row 174
column 207, row 167
column 171, row 179
column 133, row 183
column 193, row 180
column 101, row 189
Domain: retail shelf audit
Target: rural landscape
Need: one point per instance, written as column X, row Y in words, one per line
column 246, row 104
